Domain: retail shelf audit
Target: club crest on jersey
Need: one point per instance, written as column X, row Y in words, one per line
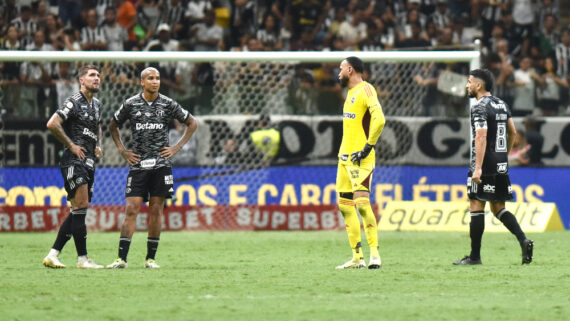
column 160, row 113
column 502, row 168
column 352, row 100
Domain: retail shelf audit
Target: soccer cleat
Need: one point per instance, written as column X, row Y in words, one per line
column 118, row 264
column 352, row 265
column 151, row 264
column 52, row 261
column 527, row 249
column 85, row 262
column 375, row 262
column 467, row 260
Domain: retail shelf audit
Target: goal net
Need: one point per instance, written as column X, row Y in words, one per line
column 232, row 94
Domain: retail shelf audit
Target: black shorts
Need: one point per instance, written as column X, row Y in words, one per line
column 152, row 182
column 493, row 188
column 76, row 175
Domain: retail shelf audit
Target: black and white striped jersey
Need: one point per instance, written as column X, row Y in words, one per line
column 81, row 121
column 149, row 126
column 491, row 113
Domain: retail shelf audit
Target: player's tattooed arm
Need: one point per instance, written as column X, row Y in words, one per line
column 98, row 149
column 55, row 125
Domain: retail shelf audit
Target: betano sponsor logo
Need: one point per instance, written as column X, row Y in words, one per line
column 89, row 133
column 455, row 216
column 145, row 126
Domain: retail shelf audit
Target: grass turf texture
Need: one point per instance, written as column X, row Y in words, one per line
column 287, row 276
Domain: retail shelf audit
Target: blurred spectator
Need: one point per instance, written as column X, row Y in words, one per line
column 329, row 98
column 70, row 43
column 353, row 32
column 166, row 68
column 446, row 38
column 115, row 34
column 149, row 14
column 196, row 10
column 339, row 18
column 549, row 89
column 35, row 79
column 53, row 32
column 64, row 81
column 163, row 39
column 373, row 40
column 518, row 156
column 207, row 36
column 203, row 83
column 127, row 18
column 512, row 33
column 535, row 140
column 406, row 25
column 431, row 34
column 25, row 25
column 307, row 15
column 100, row 8
column 461, row 35
column 10, row 74
column 502, row 50
column 92, row 36
column 428, row 76
column 182, row 89
column 70, row 12
column 523, row 16
column 305, row 42
column 269, row 34
column 544, row 8
column 503, row 72
column 415, row 40
column 39, row 13
column 173, row 15
column 563, row 54
column 187, row 155
column 39, row 43
column 242, row 20
column 523, row 88
column 8, row 12
column 441, row 17
column 547, row 38
column 491, row 15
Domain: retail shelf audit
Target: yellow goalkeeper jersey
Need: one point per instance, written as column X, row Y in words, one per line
column 363, row 122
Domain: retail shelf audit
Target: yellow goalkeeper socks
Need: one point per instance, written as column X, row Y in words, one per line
column 370, row 225
column 352, row 224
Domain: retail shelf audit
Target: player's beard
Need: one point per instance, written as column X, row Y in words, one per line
column 344, row 81
column 92, row 89
column 471, row 94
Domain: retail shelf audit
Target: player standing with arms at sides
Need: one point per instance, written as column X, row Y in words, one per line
column 150, row 176
column 77, row 124
column 363, row 122
column 492, row 137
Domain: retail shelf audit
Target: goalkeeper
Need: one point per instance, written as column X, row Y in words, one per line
column 363, row 122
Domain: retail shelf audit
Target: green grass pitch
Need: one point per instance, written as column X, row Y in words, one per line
column 287, row 276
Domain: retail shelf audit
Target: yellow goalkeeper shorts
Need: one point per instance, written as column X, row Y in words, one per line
column 351, row 178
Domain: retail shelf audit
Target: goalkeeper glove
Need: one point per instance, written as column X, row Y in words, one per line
column 356, row 157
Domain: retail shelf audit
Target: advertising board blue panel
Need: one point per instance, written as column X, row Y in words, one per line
column 295, row 185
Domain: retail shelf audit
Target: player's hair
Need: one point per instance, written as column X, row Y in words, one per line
column 485, row 76
column 85, row 69
column 145, row 72
column 355, row 63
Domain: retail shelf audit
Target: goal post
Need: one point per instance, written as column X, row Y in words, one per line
column 243, row 86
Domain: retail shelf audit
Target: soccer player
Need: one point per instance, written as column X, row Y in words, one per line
column 150, row 176
column 363, row 122
column 492, row 137
column 77, row 124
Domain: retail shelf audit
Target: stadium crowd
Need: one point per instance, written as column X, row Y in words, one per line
column 523, row 43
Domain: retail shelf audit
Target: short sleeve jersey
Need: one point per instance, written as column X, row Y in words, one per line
column 81, row 121
column 491, row 113
column 356, row 121
column 149, row 127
